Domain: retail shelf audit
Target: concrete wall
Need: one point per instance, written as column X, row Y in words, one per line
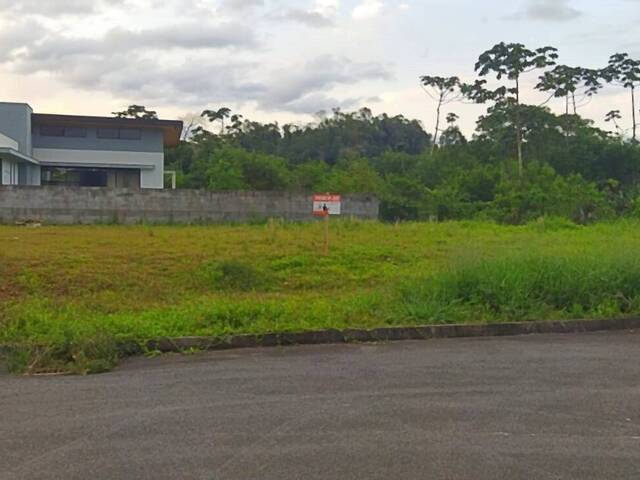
column 15, row 123
column 67, row 205
column 8, row 142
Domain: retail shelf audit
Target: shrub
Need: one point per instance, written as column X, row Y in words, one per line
column 232, row 275
column 97, row 353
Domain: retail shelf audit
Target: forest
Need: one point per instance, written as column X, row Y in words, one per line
column 523, row 161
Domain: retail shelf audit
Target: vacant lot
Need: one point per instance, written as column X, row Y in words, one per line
column 63, row 284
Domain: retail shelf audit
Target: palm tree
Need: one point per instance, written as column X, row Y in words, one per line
column 220, row 114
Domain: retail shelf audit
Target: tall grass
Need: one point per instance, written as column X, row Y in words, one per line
column 528, row 286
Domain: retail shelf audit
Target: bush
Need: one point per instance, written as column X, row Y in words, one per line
column 97, row 353
column 232, row 275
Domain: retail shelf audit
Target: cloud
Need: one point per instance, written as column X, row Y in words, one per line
column 547, row 10
column 36, row 48
column 18, row 35
column 55, row 8
column 298, row 90
column 303, row 90
column 318, row 102
column 189, row 62
column 327, row 8
column 367, row 9
column 306, row 17
column 127, row 63
column 322, row 14
column 241, row 5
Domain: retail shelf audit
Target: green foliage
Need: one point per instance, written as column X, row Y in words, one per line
column 231, row 275
column 564, row 165
column 570, row 172
column 137, row 111
column 542, row 192
column 528, row 287
column 232, row 168
column 353, row 175
column 86, row 353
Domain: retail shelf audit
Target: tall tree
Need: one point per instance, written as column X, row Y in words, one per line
column 613, row 116
column 443, row 90
column 568, row 83
column 626, row 72
column 511, row 61
column 217, row 115
column 562, row 82
column 137, row 111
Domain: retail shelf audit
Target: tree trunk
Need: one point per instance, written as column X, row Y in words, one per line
column 575, row 108
column 519, row 130
column 435, row 135
column 520, row 161
column 633, row 111
column 566, row 122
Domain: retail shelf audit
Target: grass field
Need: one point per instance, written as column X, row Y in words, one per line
column 65, row 287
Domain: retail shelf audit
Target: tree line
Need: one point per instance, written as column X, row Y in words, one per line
column 523, row 161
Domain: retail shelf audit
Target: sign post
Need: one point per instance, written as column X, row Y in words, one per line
column 325, row 206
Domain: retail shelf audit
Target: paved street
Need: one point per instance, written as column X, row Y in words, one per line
column 537, row 407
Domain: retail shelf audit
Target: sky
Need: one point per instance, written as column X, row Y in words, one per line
column 286, row 60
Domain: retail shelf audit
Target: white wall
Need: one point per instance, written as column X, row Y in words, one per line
column 8, row 142
column 151, row 165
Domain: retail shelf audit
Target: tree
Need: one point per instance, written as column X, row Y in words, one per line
column 613, row 116
column 563, row 82
column 443, row 90
column 626, row 72
column 215, row 115
column 567, row 82
column 511, row 61
column 452, row 134
column 136, row 111
column 192, row 122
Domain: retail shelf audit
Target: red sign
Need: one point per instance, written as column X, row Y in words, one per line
column 327, row 204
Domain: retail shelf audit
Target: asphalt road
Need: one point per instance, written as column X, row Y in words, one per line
column 537, row 407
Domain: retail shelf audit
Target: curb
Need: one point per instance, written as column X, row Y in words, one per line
column 389, row 334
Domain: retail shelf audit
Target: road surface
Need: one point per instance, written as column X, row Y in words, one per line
column 535, row 407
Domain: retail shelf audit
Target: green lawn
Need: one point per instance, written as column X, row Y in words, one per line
column 62, row 285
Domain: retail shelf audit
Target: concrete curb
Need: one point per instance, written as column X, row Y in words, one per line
column 389, row 334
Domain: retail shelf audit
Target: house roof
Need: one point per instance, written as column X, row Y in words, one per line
column 172, row 128
column 13, row 154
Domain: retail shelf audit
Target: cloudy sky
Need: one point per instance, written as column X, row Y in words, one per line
column 285, row 60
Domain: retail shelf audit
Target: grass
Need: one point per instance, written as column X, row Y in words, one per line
column 68, row 294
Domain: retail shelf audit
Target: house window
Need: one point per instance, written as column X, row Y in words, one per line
column 60, row 131
column 51, row 131
column 120, row 133
column 76, row 132
column 77, row 177
column 108, row 133
column 130, row 133
column 22, row 174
